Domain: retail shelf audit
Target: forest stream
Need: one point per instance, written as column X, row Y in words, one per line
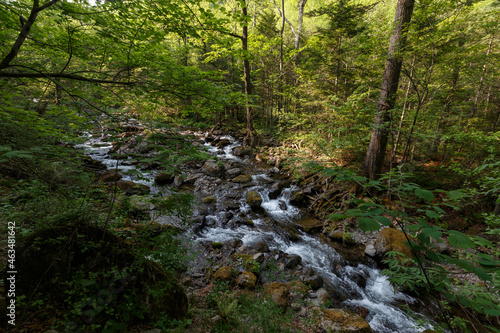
column 353, row 285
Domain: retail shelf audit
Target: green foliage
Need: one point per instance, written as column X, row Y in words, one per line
column 247, row 313
column 426, row 272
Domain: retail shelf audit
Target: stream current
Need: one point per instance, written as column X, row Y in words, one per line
column 375, row 293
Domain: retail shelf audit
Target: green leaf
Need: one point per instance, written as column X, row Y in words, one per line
column 368, row 224
column 460, row 263
column 336, row 216
column 424, row 238
column 458, row 239
column 413, row 227
column 455, row 195
column 424, row 194
column 431, row 232
column 492, row 312
column 383, row 220
column 487, row 263
column 376, row 211
column 481, row 274
column 432, row 214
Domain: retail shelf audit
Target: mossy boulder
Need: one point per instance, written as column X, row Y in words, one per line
column 342, row 321
column 225, row 273
column 213, row 168
column 209, row 200
column 242, row 179
column 131, row 188
column 241, row 151
column 110, row 176
column 164, row 178
column 246, row 280
column 279, row 293
column 254, row 200
column 391, row 239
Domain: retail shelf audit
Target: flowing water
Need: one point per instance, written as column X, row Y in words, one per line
column 373, row 293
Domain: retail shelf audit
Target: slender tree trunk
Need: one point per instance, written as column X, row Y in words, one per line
column 374, row 159
column 480, row 87
column 403, row 113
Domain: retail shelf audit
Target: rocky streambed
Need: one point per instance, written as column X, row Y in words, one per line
column 250, row 225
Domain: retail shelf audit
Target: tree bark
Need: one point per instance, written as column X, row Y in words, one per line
column 249, row 139
column 374, row 159
column 301, row 5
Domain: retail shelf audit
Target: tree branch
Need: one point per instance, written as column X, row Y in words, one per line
column 63, row 76
column 286, row 20
column 24, row 32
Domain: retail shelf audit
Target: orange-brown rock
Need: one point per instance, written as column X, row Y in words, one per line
column 279, row 293
column 342, row 321
column 391, row 239
column 225, row 273
column 246, row 280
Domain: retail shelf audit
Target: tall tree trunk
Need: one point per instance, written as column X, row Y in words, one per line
column 301, row 5
column 249, row 138
column 374, row 159
column 280, row 83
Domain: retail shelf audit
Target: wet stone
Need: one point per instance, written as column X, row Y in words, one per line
column 233, row 172
column 293, row 261
column 314, row 281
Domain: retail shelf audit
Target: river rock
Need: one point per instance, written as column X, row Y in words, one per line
column 246, row 280
column 209, row 200
column 213, row 168
column 164, row 178
column 110, row 176
column 90, row 163
column 225, row 273
column 298, row 198
column 139, row 204
column 370, row 250
column 321, row 297
column 242, row 179
column 342, row 321
column 241, row 151
column 282, row 205
column 192, row 178
column 132, row 188
column 310, row 224
column 259, row 257
column 293, row 261
column 275, row 190
column 314, row 281
column 223, row 143
column 233, row 172
column 254, row 199
column 391, row 239
column 279, row 293
column 262, row 247
column 178, row 180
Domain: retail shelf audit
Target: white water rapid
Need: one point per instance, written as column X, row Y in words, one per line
column 363, row 286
